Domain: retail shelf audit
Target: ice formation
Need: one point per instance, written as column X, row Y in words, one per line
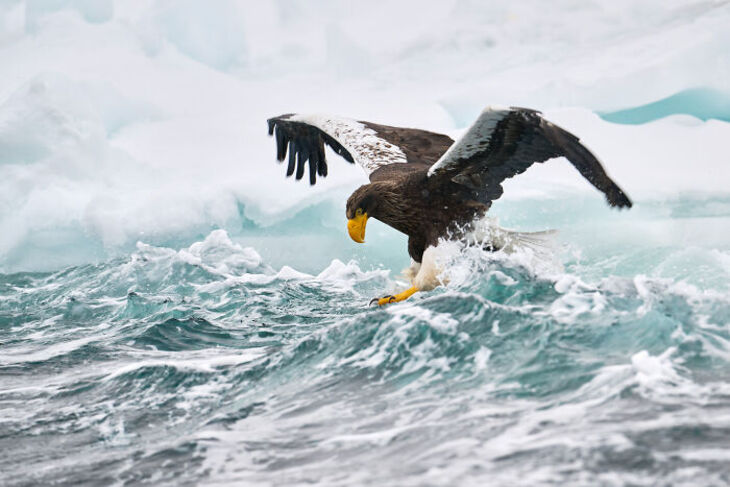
column 122, row 121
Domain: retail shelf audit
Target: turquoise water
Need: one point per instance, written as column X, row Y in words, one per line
column 212, row 363
column 702, row 103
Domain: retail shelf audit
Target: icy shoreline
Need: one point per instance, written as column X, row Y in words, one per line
column 121, row 121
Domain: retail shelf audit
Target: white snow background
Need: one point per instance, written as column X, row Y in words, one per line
column 145, row 120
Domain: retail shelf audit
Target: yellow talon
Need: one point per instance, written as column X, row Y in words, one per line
column 397, row 298
column 386, row 300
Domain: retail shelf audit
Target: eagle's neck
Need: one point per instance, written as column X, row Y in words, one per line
column 404, row 208
column 397, row 208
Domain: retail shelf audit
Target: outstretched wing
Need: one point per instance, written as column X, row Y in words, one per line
column 369, row 145
column 505, row 142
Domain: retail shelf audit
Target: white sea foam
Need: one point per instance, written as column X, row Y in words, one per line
column 189, row 361
column 344, row 275
column 218, row 252
column 45, row 352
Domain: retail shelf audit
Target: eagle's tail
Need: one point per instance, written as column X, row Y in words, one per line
column 492, row 236
column 542, row 242
column 543, row 239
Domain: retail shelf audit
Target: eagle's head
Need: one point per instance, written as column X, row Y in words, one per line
column 361, row 205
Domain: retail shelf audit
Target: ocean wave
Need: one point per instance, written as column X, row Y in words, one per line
column 510, row 363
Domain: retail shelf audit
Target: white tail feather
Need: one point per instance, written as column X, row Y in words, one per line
column 489, row 234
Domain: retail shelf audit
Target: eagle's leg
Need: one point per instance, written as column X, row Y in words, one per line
column 396, row 298
column 426, row 278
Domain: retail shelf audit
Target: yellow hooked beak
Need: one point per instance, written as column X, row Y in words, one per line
column 356, row 226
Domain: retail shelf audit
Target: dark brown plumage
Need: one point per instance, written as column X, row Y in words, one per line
column 422, row 183
column 404, row 203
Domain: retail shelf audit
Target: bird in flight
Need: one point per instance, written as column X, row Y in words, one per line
column 423, row 183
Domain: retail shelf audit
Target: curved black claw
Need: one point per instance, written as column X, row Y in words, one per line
column 390, row 297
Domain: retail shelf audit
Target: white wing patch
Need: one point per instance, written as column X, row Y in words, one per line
column 476, row 139
column 367, row 149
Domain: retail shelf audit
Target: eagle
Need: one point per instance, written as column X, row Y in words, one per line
column 423, row 183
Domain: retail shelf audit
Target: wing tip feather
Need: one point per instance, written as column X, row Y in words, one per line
column 618, row 199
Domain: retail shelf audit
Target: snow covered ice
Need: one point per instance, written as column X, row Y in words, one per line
column 122, row 121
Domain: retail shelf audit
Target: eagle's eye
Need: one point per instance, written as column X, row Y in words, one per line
column 358, row 212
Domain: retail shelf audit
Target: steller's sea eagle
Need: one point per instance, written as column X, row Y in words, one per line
column 426, row 185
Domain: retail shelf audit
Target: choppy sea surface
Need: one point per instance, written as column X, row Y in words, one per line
column 204, row 363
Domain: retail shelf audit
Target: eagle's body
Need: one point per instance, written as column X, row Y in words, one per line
column 409, row 206
column 424, row 184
